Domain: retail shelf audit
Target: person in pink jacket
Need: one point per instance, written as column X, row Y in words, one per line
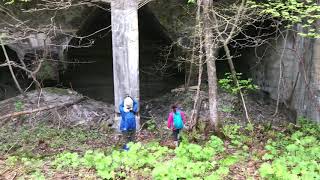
column 176, row 122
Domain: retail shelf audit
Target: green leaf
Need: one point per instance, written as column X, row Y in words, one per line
column 265, row 170
column 191, row 1
column 267, row 156
column 310, row 21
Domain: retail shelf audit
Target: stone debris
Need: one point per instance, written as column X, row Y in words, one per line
column 61, row 106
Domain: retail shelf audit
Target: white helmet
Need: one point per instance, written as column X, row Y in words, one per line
column 128, row 104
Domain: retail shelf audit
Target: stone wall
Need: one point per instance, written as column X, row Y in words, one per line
column 41, row 34
column 300, row 86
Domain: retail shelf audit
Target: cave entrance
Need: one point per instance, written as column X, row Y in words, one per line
column 240, row 64
column 7, row 87
column 90, row 70
column 246, row 51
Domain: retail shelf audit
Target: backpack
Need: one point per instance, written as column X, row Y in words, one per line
column 177, row 120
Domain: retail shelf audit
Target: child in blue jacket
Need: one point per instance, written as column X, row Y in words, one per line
column 128, row 110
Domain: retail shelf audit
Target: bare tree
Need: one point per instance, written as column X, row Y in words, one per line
column 219, row 23
column 211, row 51
column 206, row 49
column 8, row 62
column 235, row 23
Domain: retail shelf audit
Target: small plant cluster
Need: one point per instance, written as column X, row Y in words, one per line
column 30, row 166
column 293, row 157
column 238, row 138
column 244, row 84
column 116, row 165
column 187, row 161
column 18, row 106
column 151, row 124
column 193, row 161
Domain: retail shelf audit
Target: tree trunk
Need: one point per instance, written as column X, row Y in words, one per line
column 225, row 42
column 125, row 46
column 198, row 99
column 10, row 67
column 235, row 80
column 211, row 52
column 197, row 35
column 212, row 83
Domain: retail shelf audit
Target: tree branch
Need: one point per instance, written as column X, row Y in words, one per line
column 10, row 67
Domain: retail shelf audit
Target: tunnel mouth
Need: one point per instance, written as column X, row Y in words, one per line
column 7, row 86
column 243, row 49
column 90, row 70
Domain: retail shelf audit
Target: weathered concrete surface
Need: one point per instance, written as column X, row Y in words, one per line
column 125, row 48
column 41, row 34
column 177, row 17
column 314, row 111
column 300, row 86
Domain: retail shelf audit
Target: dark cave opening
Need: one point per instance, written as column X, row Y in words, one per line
column 7, row 86
column 244, row 49
column 91, row 71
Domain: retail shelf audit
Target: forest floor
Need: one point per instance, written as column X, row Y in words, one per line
column 269, row 148
column 42, row 151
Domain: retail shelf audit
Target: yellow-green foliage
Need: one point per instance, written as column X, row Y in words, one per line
column 293, row 157
column 292, row 12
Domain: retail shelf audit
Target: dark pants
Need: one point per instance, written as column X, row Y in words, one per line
column 175, row 134
column 129, row 136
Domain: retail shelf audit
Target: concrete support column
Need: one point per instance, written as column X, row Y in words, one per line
column 125, row 47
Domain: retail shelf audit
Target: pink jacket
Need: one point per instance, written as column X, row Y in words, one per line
column 170, row 119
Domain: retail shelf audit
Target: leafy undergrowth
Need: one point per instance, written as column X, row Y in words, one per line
column 252, row 152
column 293, row 156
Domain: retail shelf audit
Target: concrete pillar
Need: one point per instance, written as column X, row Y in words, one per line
column 125, row 47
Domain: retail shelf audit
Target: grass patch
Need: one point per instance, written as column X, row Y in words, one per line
column 43, row 139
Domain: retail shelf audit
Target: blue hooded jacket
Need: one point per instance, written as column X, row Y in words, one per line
column 128, row 119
